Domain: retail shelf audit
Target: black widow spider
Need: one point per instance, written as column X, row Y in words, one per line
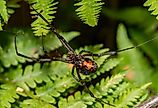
column 81, row 62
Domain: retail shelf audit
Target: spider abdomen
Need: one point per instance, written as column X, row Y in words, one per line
column 88, row 66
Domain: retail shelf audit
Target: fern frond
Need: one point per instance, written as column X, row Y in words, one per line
column 6, row 9
column 8, row 95
column 109, row 83
column 77, row 101
column 113, row 90
column 89, row 10
column 33, row 76
column 153, row 6
column 52, row 90
column 46, row 8
column 27, row 78
column 35, row 103
column 11, row 4
column 132, row 97
column 109, row 64
column 3, row 13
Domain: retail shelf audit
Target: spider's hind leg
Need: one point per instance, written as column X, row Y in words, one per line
column 83, row 83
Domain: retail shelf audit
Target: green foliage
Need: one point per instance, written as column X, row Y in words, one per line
column 133, row 59
column 34, row 103
column 5, row 10
column 46, row 8
column 133, row 16
column 7, row 95
column 143, row 63
column 30, row 47
column 89, row 11
column 25, row 83
column 153, row 6
column 139, row 67
column 115, row 90
column 28, row 84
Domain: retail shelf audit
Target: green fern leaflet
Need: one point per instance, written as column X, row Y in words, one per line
column 89, row 10
column 3, row 13
column 153, row 6
column 46, row 8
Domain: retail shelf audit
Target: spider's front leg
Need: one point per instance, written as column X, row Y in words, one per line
column 89, row 53
column 86, row 51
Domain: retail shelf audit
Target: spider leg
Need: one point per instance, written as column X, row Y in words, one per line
column 97, row 99
column 113, row 52
column 83, row 83
column 87, row 51
column 78, row 77
column 53, row 29
column 22, row 55
column 121, row 50
column 43, row 48
column 101, row 54
column 90, row 53
column 73, row 75
column 53, row 59
column 46, row 59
